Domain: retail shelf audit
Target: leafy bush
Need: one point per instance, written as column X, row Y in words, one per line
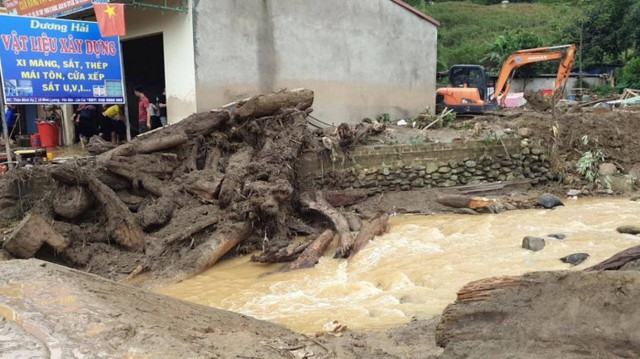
column 604, row 90
column 631, row 74
column 590, row 162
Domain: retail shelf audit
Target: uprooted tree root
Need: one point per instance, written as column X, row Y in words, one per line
column 175, row 201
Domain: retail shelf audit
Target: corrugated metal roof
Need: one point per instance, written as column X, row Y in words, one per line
column 417, row 12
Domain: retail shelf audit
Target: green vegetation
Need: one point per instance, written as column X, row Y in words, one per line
column 590, row 161
column 469, row 30
column 631, row 74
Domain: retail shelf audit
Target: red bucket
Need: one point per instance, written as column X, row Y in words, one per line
column 35, row 140
column 48, row 134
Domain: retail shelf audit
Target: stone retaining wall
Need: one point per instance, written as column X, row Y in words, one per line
column 405, row 167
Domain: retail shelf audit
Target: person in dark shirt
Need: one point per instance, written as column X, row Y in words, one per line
column 161, row 102
column 10, row 117
column 85, row 118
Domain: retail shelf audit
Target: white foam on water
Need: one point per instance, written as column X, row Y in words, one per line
column 416, row 269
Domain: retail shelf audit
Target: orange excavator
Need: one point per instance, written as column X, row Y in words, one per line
column 469, row 91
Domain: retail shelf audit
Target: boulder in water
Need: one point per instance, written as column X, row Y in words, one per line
column 557, row 236
column 575, row 259
column 629, row 229
column 533, row 243
column 549, row 201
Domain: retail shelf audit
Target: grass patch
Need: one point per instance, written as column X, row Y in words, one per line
column 468, row 28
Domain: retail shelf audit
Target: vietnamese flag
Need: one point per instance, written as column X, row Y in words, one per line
column 110, row 19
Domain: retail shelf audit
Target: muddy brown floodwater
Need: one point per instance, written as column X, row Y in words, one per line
column 416, row 269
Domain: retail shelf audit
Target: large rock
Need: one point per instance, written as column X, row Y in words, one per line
column 629, row 229
column 635, row 171
column 620, row 183
column 533, row 243
column 575, row 259
column 549, row 201
column 525, row 132
column 607, row 169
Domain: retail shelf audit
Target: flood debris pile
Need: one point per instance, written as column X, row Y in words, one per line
column 175, row 201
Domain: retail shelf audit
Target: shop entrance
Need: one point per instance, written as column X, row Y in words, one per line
column 143, row 66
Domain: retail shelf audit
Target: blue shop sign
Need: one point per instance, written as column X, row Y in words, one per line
column 50, row 61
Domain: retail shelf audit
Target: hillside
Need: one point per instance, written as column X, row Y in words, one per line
column 468, row 28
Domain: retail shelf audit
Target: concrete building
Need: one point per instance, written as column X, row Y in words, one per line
column 362, row 58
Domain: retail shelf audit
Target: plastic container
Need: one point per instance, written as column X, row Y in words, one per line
column 35, row 141
column 49, row 134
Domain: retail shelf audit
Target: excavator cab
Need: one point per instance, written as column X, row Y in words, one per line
column 468, row 92
column 469, row 83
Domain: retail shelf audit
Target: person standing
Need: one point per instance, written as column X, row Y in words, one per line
column 161, row 102
column 114, row 114
column 85, row 118
column 144, row 115
column 10, row 117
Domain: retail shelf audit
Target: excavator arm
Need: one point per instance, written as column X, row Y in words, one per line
column 564, row 53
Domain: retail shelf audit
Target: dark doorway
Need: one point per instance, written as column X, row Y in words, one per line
column 144, row 67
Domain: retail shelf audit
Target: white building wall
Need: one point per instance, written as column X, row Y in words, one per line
column 546, row 83
column 179, row 60
column 361, row 57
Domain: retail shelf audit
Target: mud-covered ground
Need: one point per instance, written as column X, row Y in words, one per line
column 52, row 311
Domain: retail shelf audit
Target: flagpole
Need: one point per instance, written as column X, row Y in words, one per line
column 126, row 98
column 5, row 129
column 122, row 73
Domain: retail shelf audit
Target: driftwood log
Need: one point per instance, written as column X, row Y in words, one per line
column 215, row 247
column 231, row 174
column 618, row 260
column 375, row 227
column 30, row 235
column 340, row 223
column 121, row 225
column 72, row 201
column 311, row 255
column 271, row 104
column 462, row 201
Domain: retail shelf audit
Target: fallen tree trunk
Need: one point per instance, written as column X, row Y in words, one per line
column 347, row 197
column 341, row 224
column 157, row 214
column 375, row 227
column 149, row 183
column 146, row 145
column 121, row 225
column 279, row 255
column 29, row 236
column 233, row 182
column 461, row 201
column 203, row 184
column 97, row 145
column 618, row 260
column 71, row 202
column 226, row 237
column 186, row 233
column 311, row 255
column 271, row 104
column 159, row 165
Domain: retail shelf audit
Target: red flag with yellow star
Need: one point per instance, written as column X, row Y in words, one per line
column 110, row 19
